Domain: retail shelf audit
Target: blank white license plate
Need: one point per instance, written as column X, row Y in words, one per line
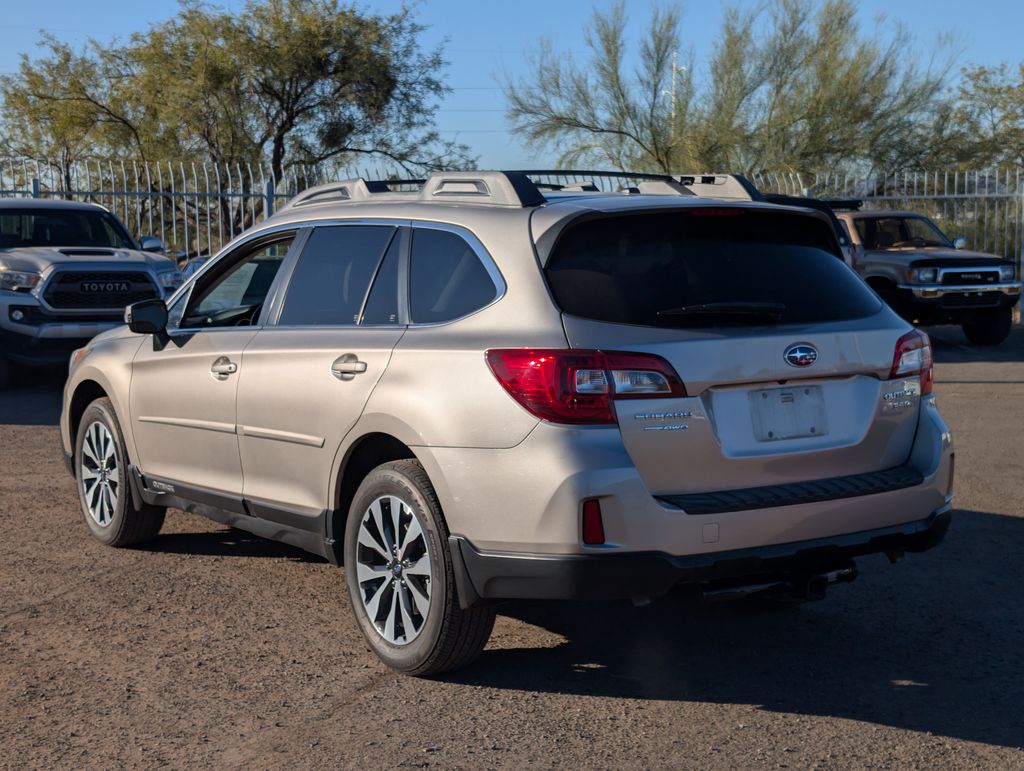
column 788, row 413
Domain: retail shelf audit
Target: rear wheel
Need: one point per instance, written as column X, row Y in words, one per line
column 989, row 327
column 101, row 470
column 400, row 578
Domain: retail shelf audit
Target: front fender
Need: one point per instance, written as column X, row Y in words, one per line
column 108, row 364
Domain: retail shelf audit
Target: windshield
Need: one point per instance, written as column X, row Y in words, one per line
column 705, row 270
column 899, row 232
column 61, row 227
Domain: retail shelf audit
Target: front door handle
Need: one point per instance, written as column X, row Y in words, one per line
column 347, row 367
column 223, row 367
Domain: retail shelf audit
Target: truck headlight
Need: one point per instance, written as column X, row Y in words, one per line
column 925, row 275
column 170, row 279
column 17, row 280
column 1006, row 273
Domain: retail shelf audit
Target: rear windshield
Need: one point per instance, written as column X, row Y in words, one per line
column 705, row 268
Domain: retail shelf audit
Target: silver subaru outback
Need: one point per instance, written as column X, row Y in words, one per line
column 488, row 388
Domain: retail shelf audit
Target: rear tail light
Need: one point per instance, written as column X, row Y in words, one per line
column 913, row 356
column 593, row 527
column 576, row 386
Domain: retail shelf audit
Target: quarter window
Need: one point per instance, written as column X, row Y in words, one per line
column 447, row 279
column 333, row 275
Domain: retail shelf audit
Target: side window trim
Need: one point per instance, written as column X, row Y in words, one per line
column 477, row 248
column 240, row 251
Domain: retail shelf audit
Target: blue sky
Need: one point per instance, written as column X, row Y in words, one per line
column 486, row 39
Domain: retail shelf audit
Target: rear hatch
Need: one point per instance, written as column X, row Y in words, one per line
column 784, row 354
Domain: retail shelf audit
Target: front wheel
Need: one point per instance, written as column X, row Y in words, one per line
column 989, row 327
column 101, row 471
column 400, row 578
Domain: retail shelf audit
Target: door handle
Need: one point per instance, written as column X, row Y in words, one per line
column 347, row 367
column 223, row 367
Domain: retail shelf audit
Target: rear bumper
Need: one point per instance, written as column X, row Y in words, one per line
column 482, row 575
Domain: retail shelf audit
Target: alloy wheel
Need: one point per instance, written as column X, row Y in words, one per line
column 393, row 569
column 100, row 473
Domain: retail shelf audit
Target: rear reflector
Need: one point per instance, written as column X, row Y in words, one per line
column 952, row 467
column 593, row 527
column 913, row 356
column 578, row 386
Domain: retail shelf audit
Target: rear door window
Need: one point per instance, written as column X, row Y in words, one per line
column 705, row 268
column 333, row 274
column 447, row 280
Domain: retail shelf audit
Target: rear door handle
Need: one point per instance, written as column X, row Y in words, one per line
column 223, row 367
column 347, row 367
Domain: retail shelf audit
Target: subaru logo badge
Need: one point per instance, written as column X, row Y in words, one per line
column 801, row 355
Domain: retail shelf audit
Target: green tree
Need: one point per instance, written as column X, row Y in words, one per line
column 793, row 84
column 284, row 81
column 990, row 115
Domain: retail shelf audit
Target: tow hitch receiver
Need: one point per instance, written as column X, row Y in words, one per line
column 797, row 587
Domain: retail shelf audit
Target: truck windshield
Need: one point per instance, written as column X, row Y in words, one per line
column 899, row 232
column 61, row 227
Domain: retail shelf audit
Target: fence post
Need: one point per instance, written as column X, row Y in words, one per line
column 268, row 204
column 35, row 187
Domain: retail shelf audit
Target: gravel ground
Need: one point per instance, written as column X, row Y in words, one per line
column 213, row 648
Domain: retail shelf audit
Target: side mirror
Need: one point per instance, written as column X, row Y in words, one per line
column 151, row 244
column 148, row 317
column 959, row 242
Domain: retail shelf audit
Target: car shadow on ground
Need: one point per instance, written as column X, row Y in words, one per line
column 932, row 644
column 33, row 399
column 227, row 543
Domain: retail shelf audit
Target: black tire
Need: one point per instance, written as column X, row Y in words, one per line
column 122, row 524
column 989, row 327
column 448, row 636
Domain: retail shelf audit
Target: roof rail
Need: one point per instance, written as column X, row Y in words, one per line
column 495, row 188
column 733, row 187
column 636, row 182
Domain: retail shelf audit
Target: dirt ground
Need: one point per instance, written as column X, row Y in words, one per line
column 213, row 648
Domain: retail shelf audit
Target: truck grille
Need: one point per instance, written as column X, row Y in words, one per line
column 968, row 277
column 98, row 289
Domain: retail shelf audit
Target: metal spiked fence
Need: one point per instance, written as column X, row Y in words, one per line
column 195, row 208
column 986, row 207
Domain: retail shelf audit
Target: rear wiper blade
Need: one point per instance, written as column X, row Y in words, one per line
column 773, row 311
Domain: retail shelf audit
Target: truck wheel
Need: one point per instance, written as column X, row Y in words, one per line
column 400, row 577
column 989, row 327
column 101, row 470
